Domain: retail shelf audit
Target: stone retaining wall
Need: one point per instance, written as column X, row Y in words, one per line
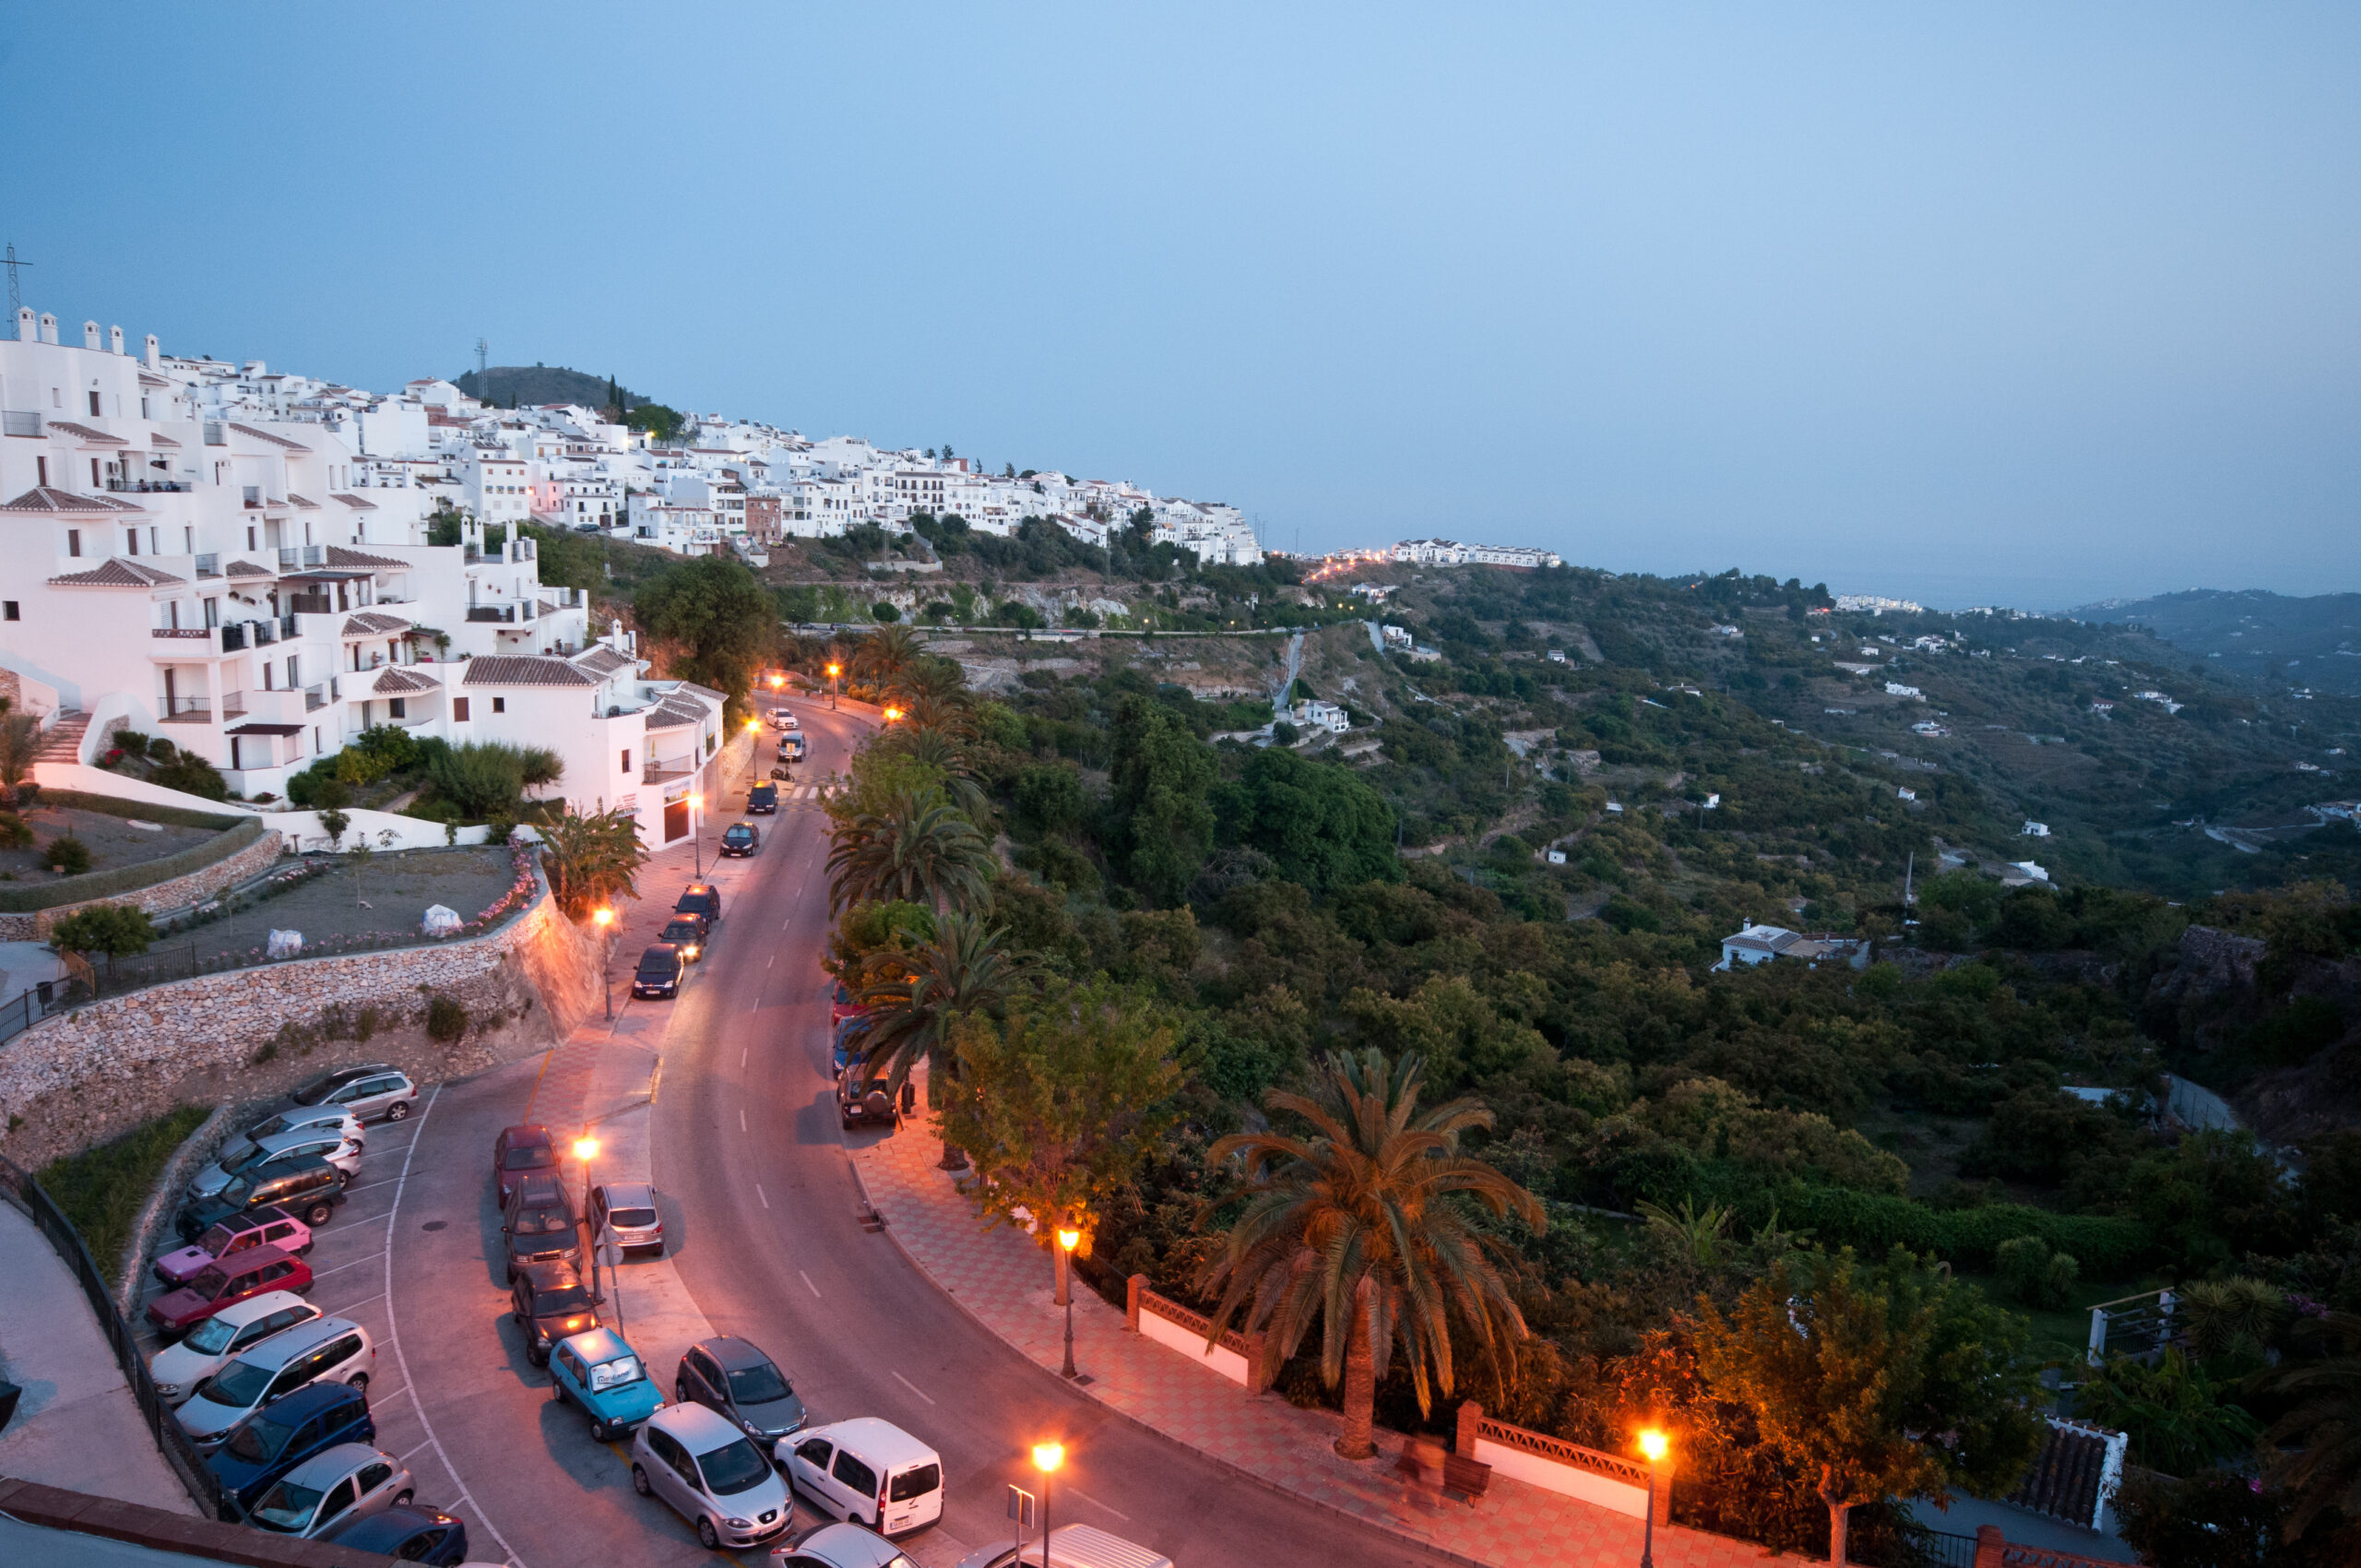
column 159, row 898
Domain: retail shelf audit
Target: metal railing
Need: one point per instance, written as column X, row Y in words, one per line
column 151, row 486
column 14, row 423
column 208, row 565
column 187, row 710
column 311, row 604
column 178, row 1451
column 191, row 633
column 671, row 767
column 315, row 698
column 294, row 555
column 233, row 637
column 491, row 613
column 27, row 1008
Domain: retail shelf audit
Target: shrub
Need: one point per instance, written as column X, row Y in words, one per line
column 13, row 833
column 481, row 779
column 102, row 1189
column 68, row 855
column 162, row 749
column 885, row 614
column 446, row 1020
column 131, row 741
column 192, row 774
column 2033, row 1274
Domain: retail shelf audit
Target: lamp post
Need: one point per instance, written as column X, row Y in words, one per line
column 1652, row 1444
column 835, row 670
column 1068, row 1239
column 584, row 1148
column 696, row 830
column 602, row 919
column 1047, row 1458
column 892, row 714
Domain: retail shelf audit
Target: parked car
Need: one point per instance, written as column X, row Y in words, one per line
column 177, row 1368
column 686, row 935
column 848, row 1042
column 269, row 1227
column 866, row 1471
column 373, row 1089
column 599, row 1371
column 329, row 1144
column 263, row 1447
column 791, row 749
column 409, row 1532
column 308, row 1187
column 840, row 1546
column 251, row 1272
column 712, row 1475
column 861, row 1100
column 549, row 1302
column 763, row 799
column 732, row 1378
column 1070, row 1546
column 700, row 898
column 660, row 972
column 627, row 1211
column 299, row 1118
column 349, row 1481
column 326, row 1349
column 740, row 838
column 527, row 1147
column 539, row 1225
column 784, row 719
column 841, row 1005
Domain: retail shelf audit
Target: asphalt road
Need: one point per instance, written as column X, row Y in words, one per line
column 760, row 1201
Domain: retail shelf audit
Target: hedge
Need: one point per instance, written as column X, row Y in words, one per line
column 1871, row 1223
column 115, row 880
column 116, row 805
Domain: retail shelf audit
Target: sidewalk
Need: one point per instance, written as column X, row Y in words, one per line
column 1003, row 1281
column 78, row 1426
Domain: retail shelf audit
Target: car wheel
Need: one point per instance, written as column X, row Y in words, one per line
column 538, row 1356
column 680, row 1392
column 708, row 1536
column 359, row 1383
column 319, row 1214
column 557, row 1392
column 639, row 1482
column 398, row 1112
column 404, row 1498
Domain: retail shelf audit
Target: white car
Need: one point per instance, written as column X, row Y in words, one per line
column 712, row 1475
column 178, row 1369
column 782, row 719
column 324, row 1350
column 329, row 1143
column 1070, row 1546
column 300, row 1117
column 347, row 1482
column 866, row 1471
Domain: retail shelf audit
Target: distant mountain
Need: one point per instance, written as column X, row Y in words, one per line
column 526, row 385
column 2314, row 642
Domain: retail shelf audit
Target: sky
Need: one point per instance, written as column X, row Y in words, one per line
column 2031, row 305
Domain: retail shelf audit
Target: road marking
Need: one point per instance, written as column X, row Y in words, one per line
column 807, row 1282
column 742, row 1118
column 655, row 1080
column 403, row 1360
column 367, row 1185
column 324, row 1273
column 405, row 1458
column 772, row 961
column 742, row 1056
column 922, row 1393
column 759, row 1192
column 1077, row 1492
column 363, row 1302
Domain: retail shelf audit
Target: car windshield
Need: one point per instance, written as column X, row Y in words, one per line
column 733, row 1469
column 680, row 930
column 528, row 1157
column 740, row 833
column 915, row 1482
column 546, row 1221
column 757, row 1385
column 615, row 1373
column 288, row 1507
column 217, row 1240
column 258, row 1438
column 659, row 964
column 237, row 1385
column 208, row 1284
column 551, row 1303
column 237, row 1152
column 212, row 1336
column 631, row 1219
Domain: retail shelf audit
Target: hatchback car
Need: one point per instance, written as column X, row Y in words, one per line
column 763, row 799
column 261, row 1228
column 306, row 1186
column 841, row 1546
column 685, row 936
column 252, row 1273
column 740, row 838
column 407, row 1532
column 328, row 1349
column 867, row 1471
column 526, row 1148
column 550, row 1302
column 626, row 1210
column 373, row 1089
column 700, row 898
column 746, row 1387
column 712, row 1475
column 540, row 1226
column 325, row 1142
column 599, row 1371
column 660, row 972
column 349, row 1482
column 265, row 1446
column 178, row 1369
column 1070, row 1546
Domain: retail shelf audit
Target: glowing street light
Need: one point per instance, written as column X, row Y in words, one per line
column 1652, row 1443
column 602, row 919
column 1068, row 1239
column 892, row 714
column 1047, row 1458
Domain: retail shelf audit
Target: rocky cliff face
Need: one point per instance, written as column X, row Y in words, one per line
column 2289, row 1027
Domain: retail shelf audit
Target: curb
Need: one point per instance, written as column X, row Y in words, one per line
column 197, row 1146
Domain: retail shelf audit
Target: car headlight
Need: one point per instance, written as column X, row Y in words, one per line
column 739, row 1524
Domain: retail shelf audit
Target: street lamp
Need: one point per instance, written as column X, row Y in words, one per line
column 1068, row 1239
column 696, row 832
column 1652, row 1444
column 892, row 714
column 834, row 684
column 602, row 919
column 1047, row 1458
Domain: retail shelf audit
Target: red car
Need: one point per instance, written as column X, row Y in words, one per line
column 518, row 1152
column 263, row 1227
column 223, row 1284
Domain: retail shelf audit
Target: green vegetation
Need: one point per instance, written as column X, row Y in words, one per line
column 102, row 1189
column 709, row 621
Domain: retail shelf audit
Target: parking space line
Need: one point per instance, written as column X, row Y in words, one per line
column 911, row 1386
column 807, row 1283
column 1073, row 1491
column 365, row 1300
column 324, row 1273
column 758, row 1193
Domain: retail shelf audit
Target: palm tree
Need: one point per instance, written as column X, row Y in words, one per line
column 884, row 653
column 938, row 749
column 1356, row 1226
column 962, row 970
column 20, row 742
column 590, row 859
column 930, row 675
column 916, row 849
column 930, row 715
column 2324, row 1466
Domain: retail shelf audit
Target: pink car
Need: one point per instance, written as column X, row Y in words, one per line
column 263, row 1227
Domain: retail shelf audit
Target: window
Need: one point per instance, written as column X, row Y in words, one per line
column 852, row 1473
column 250, row 536
column 816, row 1452
column 459, row 710
column 8, row 610
column 96, row 482
column 500, row 705
column 94, row 404
column 72, row 542
column 398, row 706
column 626, row 768
column 133, row 535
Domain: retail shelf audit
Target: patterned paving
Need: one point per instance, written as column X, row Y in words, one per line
column 1002, row 1278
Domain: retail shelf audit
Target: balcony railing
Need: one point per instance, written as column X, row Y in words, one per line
column 234, row 704
column 187, row 710
column 208, row 565
column 315, row 698
column 13, row 423
column 151, row 486
column 670, row 768
column 312, row 604
column 491, row 613
column 292, row 557
column 234, row 638
column 193, row 633
column 566, row 598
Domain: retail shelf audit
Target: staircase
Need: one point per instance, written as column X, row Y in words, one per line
column 63, row 741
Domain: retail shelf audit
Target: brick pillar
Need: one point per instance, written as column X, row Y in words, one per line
column 1256, row 1382
column 1664, row 1489
column 1989, row 1544
column 1471, row 1419
column 1133, row 1288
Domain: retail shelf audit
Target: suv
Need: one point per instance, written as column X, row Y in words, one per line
column 730, row 1376
column 550, row 1302
column 539, row 1225
column 685, row 936
column 524, row 1148
column 214, row 1343
column 763, row 800
column 658, row 973
column 307, row 1187
column 326, row 1142
column 740, row 838
column 375, row 1088
column 259, row 1450
column 250, row 1273
column 326, row 1349
column 860, row 1098
column 701, row 899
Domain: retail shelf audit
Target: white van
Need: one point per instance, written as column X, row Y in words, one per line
column 324, row 1350
column 866, row 1471
column 1070, row 1546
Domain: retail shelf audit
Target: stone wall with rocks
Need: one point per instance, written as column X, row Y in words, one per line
column 95, row 1072
column 178, row 893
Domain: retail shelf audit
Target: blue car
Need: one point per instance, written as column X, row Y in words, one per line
column 282, row 1435
column 409, row 1531
column 599, row 1372
column 850, row 1043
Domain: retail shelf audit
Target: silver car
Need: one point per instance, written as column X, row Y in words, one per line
column 369, row 1091
column 712, row 1475
column 346, row 1482
column 627, row 1211
column 331, row 1145
column 303, row 1116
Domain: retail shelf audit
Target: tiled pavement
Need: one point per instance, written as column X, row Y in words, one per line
column 1002, row 1278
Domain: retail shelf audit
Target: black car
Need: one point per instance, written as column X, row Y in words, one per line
column 306, row 1186
column 701, row 899
column 409, row 1531
column 658, row 973
column 762, row 799
column 859, row 1099
column 686, row 934
column 262, row 1448
column 746, row 1386
column 740, row 838
column 539, row 1225
column 550, row 1302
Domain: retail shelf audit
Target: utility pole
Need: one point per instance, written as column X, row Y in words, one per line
column 483, row 386
column 16, row 295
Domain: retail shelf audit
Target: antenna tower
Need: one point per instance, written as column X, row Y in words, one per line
column 15, row 296
column 483, row 386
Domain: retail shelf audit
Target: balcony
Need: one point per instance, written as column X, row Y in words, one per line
column 234, row 638
column 293, row 558
column 566, row 599
column 491, row 613
column 191, row 634
column 151, row 486
column 315, row 698
column 234, row 705
column 667, row 770
column 208, row 565
column 15, row 424
column 311, row 604
column 187, row 710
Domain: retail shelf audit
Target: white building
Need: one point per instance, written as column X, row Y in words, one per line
column 1760, row 943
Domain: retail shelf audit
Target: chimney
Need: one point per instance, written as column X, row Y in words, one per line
column 49, row 327
column 90, row 336
column 155, row 353
column 115, row 339
column 25, row 324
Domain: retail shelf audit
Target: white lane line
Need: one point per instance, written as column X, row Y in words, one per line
column 742, row 1056
column 324, row 1273
column 758, row 1193
column 1077, row 1492
column 742, row 1118
column 366, row 1186
column 915, row 1389
column 405, row 1459
column 774, row 958
column 807, row 1282
column 402, row 1358
column 363, row 1302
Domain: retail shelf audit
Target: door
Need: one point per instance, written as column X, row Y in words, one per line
column 809, row 1468
column 676, row 820
column 338, row 1504
column 676, row 1474
column 854, row 1489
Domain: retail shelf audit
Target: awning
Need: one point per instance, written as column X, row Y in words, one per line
column 268, row 730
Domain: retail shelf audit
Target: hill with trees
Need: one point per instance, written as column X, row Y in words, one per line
column 512, row 386
column 2310, row 641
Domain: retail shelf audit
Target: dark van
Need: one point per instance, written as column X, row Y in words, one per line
column 761, row 801
column 658, row 973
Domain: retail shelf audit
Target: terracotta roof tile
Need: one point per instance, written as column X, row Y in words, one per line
column 354, row 502
column 247, row 569
column 117, row 573
column 369, row 623
column 601, row 661
column 87, row 433
column 340, row 557
column 397, row 680
column 524, row 670
column 2063, row 1480
column 307, row 505
column 266, row 436
column 49, row 498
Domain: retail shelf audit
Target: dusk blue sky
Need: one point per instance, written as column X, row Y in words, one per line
column 2021, row 303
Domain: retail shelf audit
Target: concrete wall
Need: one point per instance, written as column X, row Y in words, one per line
column 1190, row 1342
column 1567, row 1480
